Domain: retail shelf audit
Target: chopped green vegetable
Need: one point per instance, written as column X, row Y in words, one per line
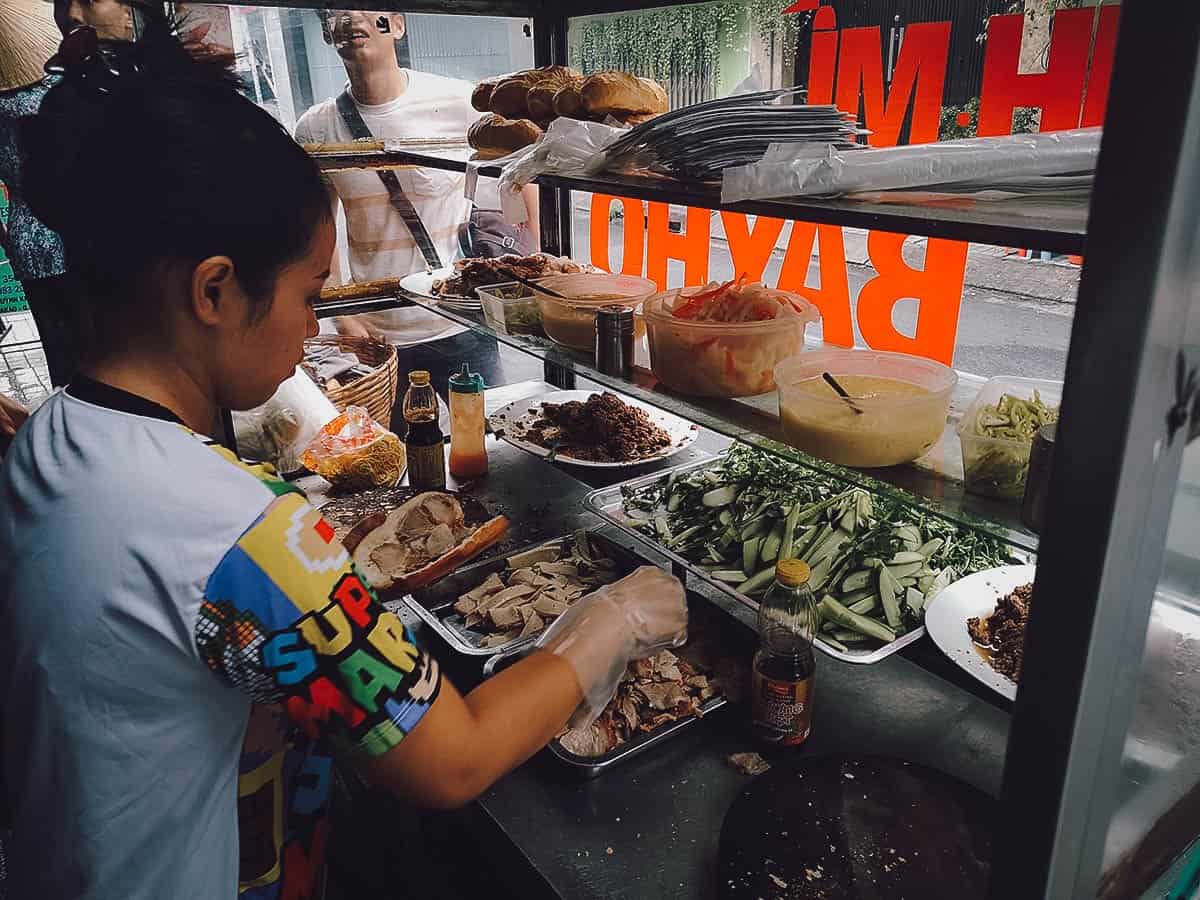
column 930, row 547
column 759, row 582
column 721, row 496
column 848, row 636
column 999, row 469
column 789, row 532
column 831, row 609
column 750, row 554
column 733, row 576
column 857, row 581
column 887, row 595
column 905, row 569
column 847, row 536
column 770, row 547
column 833, row 642
column 915, row 600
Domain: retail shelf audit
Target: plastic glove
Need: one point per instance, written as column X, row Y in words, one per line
column 644, row 612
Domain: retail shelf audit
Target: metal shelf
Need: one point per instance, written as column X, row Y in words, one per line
column 933, row 483
column 1005, row 224
column 449, row 158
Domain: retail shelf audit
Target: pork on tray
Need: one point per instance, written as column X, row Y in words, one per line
column 536, row 588
column 420, row 541
column 653, row 691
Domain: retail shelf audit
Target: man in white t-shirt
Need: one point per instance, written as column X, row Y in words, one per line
column 395, row 103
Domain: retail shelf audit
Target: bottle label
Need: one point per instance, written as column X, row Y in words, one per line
column 426, row 466
column 783, row 709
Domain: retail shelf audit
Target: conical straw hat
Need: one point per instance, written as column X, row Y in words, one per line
column 28, row 37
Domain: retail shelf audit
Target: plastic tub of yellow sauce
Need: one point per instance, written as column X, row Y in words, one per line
column 903, row 401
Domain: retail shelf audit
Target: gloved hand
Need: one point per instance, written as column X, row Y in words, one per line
column 644, row 612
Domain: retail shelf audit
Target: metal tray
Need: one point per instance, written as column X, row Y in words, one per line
column 435, row 604
column 591, row 766
column 607, row 504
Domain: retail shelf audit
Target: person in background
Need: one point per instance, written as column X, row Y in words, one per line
column 400, row 103
column 188, row 644
column 27, row 40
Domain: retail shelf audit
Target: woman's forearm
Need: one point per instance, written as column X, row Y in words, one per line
column 464, row 744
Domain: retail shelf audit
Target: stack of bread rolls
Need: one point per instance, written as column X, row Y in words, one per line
column 520, row 105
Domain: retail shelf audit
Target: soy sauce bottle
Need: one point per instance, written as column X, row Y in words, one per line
column 784, row 666
column 423, row 445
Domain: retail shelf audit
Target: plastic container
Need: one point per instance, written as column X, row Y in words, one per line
column 893, row 428
column 720, row 359
column 572, row 322
column 510, row 308
column 997, row 467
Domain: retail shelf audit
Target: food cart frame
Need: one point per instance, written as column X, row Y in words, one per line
column 1127, row 417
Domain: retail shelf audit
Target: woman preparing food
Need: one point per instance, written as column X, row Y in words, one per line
column 187, row 641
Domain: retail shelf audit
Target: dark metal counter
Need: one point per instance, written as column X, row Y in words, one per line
column 650, row 828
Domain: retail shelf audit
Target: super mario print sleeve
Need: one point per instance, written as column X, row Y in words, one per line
column 287, row 619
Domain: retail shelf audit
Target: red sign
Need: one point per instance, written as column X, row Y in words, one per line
column 845, row 67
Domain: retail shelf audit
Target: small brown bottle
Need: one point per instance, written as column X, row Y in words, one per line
column 424, row 443
column 784, row 666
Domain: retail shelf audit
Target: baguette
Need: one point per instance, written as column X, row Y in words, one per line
column 510, row 98
column 569, row 103
column 540, row 99
column 481, row 97
column 617, row 93
column 360, row 290
column 364, row 146
column 494, row 136
column 632, row 119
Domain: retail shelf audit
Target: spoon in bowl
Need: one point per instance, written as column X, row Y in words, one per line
column 841, row 392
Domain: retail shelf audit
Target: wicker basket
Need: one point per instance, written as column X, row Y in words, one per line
column 376, row 391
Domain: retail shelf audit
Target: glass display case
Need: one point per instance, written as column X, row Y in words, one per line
column 1100, row 780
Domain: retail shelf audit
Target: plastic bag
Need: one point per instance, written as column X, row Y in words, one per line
column 569, row 147
column 807, row 170
column 278, row 431
column 354, row 452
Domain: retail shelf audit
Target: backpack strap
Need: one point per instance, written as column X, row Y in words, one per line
column 400, row 202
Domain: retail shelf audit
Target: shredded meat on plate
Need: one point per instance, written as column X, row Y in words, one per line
column 1003, row 632
column 604, row 429
column 472, row 273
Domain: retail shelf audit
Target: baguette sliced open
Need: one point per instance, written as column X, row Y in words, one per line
column 418, row 542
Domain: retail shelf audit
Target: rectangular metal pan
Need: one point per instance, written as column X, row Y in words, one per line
column 591, row 766
column 607, row 504
column 435, row 604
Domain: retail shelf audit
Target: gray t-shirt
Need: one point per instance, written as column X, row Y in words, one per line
column 185, row 637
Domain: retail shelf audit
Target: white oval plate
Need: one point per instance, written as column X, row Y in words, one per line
column 974, row 596
column 510, row 422
column 421, row 285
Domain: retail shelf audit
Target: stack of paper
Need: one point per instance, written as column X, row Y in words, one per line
column 701, row 141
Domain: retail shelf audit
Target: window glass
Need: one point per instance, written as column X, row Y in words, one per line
column 406, row 77
column 912, row 71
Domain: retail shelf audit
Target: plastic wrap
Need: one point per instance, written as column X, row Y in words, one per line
column 635, row 617
column 569, row 147
column 354, row 452
column 278, row 431
column 805, row 170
